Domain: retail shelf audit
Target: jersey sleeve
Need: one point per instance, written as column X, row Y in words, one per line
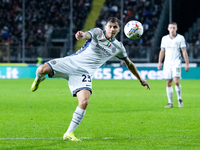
column 162, row 45
column 122, row 54
column 182, row 43
column 95, row 32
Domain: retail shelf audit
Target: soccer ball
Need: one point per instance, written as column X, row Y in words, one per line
column 133, row 30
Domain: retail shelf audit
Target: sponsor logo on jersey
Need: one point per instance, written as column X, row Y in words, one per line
column 102, row 40
column 104, row 50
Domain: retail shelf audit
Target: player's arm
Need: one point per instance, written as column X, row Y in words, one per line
column 160, row 58
column 80, row 35
column 130, row 65
column 185, row 55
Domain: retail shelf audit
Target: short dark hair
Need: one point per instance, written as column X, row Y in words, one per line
column 113, row 20
column 174, row 23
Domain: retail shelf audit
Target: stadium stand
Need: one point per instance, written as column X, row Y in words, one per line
column 45, row 20
column 146, row 11
column 40, row 17
column 47, row 27
column 193, row 41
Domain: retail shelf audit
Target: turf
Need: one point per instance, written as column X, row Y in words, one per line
column 121, row 115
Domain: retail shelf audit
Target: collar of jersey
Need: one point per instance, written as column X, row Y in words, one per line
column 104, row 32
column 174, row 37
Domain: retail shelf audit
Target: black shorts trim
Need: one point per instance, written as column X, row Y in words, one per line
column 52, row 72
column 77, row 90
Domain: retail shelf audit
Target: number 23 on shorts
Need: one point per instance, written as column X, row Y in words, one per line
column 86, row 78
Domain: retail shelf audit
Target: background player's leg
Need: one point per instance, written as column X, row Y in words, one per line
column 177, row 88
column 169, row 90
column 178, row 91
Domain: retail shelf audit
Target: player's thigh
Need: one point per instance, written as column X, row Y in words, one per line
column 79, row 82
column 61, row 68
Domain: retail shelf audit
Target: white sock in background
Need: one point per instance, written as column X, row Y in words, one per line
column 178, row 91
column 76, row 120
column 169, row 91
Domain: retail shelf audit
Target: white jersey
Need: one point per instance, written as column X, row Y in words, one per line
column 173, row 50
column 97, row 51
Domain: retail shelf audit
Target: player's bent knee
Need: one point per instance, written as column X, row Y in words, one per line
column 84, row 102
column 44, row 69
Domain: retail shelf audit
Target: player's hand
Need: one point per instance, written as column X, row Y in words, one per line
column 79, row 35
column 187, row 68
column 145, row 83
column 159, row 66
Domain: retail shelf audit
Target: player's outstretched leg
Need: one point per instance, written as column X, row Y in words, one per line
column 40, row 76
column 70, row 137
column 36, row 83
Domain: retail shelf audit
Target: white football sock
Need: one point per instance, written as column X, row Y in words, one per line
column 178, row 91
column 38, row 76
column 76, row 120
column 169, row 91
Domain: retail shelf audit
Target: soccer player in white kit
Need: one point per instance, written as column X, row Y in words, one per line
column 171, row 47
column 78, row 68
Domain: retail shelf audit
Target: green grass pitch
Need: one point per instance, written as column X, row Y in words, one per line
column 121, row 115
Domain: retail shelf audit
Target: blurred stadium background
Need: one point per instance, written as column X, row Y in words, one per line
column 34, row 29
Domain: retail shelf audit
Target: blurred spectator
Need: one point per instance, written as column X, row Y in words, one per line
column 40, row 19
column 196, row 52
column 193, row 43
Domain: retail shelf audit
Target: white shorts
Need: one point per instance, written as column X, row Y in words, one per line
column 77, row 77
column 171, row 72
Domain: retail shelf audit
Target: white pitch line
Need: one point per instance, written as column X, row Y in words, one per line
column 36, row 138
column 104, row 138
